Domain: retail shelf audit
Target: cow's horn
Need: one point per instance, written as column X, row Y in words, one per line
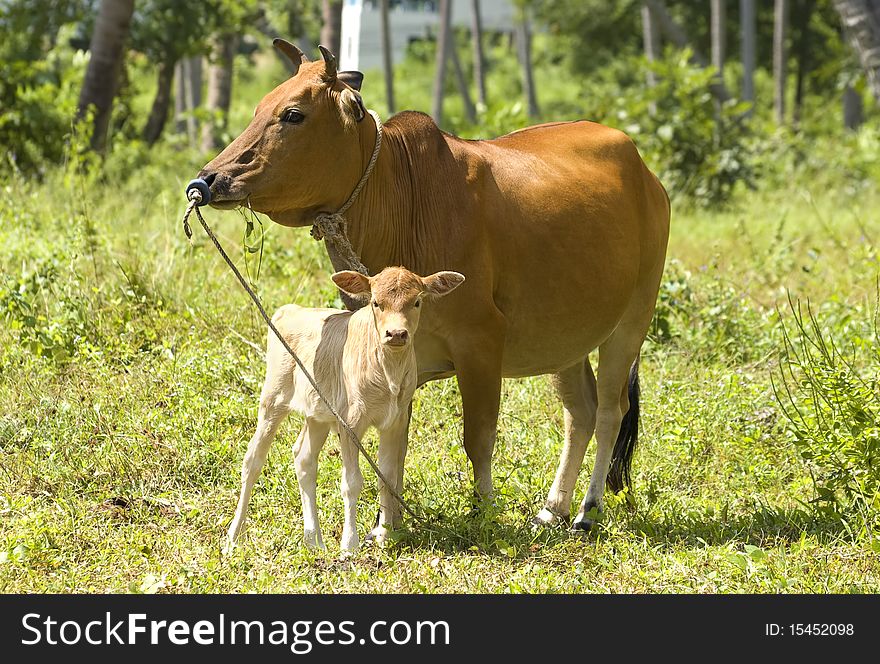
column 293, row 54
column 329, row 63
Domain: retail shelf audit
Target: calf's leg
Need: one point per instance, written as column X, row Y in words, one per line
column 273, row 410
column 305, row 457
column 352, row 483
column 392, row 452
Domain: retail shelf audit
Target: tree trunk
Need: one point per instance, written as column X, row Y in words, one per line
column 651, row 39
column 524, row 51
column 853, row 111
column 861, row 24
column 180, row 97
column 802, row 54
column 331, row 26
column 193, row 96
column 101, row 81
column 443, row 43
column 219, row 90
column 469, row 111
column 748, row 48
column 780, row 58
column 479, row 59
column 717, row 19
column 161, row 103
column 387, row 64
column 678, row 36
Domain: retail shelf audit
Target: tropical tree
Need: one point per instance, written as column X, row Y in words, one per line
column 102, row 75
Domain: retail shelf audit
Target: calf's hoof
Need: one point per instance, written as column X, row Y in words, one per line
column 312, row 539
column 349, row 544
column 378, row 536
column 228, row 547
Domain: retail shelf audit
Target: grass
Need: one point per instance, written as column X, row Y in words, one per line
column 129, row 383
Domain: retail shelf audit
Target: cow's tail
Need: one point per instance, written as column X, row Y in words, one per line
column 627, row 437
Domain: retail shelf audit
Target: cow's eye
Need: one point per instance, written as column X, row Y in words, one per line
column 418, row 304
column 375, row 304
column 292, row 116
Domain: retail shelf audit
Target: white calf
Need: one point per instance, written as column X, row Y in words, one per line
column 364, row 364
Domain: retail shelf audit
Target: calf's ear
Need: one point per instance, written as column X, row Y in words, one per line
column 353, row 283
column 441, row 283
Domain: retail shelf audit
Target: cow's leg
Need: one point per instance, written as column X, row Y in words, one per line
column 616, row 358
column 305, row 457
column 273, row 410
column 577, row 389
column 392, row 453
column 478, row 369
column 352, row 483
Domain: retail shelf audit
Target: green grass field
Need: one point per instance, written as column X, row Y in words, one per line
column 130, row 368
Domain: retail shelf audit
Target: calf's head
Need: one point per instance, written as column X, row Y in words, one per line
column 396, row 297
column 302, row 151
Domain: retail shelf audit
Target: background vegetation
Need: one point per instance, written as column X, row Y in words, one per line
column 130, row 364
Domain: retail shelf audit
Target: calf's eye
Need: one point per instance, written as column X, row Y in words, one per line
column 418, row 304
column 375, row 304
column 292, row 116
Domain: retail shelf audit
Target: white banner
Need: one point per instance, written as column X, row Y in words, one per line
column 351, row 34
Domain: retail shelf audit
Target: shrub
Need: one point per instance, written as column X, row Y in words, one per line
column 831, row 399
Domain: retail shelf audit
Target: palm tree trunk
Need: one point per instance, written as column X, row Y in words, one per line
column 219, row 90
column 748, row 48
column 443, row 43
column 479, row 59
column 387, row 64
column 331, row 26
column 161, row 102
column 102, row 76
column 524, row 50
column 469, row 111
column 861, row 24
column 651, row 40
column 780, row 58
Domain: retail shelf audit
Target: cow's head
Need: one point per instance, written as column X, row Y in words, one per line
column 396, row 296
column 301, row 154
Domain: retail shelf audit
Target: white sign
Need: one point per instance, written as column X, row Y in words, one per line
column 351, row 34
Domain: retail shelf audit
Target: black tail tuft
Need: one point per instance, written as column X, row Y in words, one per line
column 621, row 458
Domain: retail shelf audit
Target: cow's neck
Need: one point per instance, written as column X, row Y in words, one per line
column 384, row 223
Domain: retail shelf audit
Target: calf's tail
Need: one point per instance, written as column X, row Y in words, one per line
column 627, row 437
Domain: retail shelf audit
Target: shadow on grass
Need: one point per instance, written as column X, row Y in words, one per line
column 490, row 532
column 762, row 526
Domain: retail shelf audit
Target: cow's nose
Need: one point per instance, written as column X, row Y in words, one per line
column 208, row 176
column 396, row 337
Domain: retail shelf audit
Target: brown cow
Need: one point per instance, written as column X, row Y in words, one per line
column 560, row 228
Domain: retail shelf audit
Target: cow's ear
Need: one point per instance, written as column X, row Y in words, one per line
column 353, row 79
column 353, row 283
column 352, row 104
column 441, row 283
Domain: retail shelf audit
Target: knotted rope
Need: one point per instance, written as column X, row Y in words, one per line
column 331, row 227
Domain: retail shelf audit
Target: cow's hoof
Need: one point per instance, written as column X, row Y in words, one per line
column 583, row 526
column 587, row 517
column 228, row 547
column 546, row 518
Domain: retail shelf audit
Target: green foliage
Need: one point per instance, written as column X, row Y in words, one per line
column 698, row 148
column 830, row 395
column 38, row 101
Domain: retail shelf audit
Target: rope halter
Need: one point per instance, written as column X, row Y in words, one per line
column 331, row 227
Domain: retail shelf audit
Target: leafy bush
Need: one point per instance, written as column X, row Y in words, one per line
column 38, row 101
column 831, row 398
column 697, row 147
